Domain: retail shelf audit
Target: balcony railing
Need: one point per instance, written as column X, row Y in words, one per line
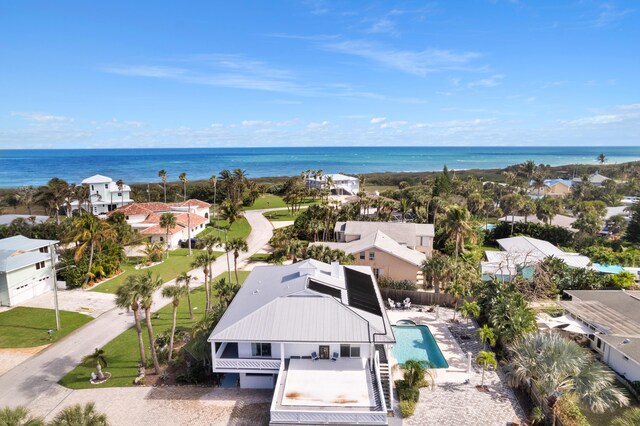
column 247, row 363
column 320, row 417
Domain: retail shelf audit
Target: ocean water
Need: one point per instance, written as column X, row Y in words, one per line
column 36, row 167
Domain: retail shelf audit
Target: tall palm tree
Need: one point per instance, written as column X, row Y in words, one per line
column 120, row 185
column 203, row 260
column 162, row 174
column 230, row 211
column 486, row 359
column 237, row 245
column 148, row 285
column 183, row 179
column 457, row 290
column 556, row 367
column 18, row 416
column 168, row 221
column 128, row 296
column 209, row 242
column 226, row 291
column 55, row 194
column 213, row 180
column 511, row 204
column 601, row 158
column 459, row 227
column 175, row 293
column 529, row 169
column 79, row 415
column 185, row 278
column 90, row 233
column 486, row 334
column 437, row 269
column 99, row 359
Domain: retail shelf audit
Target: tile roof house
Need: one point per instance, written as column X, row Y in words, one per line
column 283, row 316
column 613, row 317
column 26, row 268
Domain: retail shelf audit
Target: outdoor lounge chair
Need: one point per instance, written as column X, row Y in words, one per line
column 392, row 304
column 335, row 356
column 406, row 303
column 314, row 356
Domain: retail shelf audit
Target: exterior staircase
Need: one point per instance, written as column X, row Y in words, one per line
column 385, row 377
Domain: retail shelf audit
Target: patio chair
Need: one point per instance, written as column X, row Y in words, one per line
column 335, row 356
column 314, row 356
column 407, row 303
column 392, row 304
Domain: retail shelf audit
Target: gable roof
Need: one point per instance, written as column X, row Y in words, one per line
column 528, row 251
column 558, row 220
column 403, row 233
column 22, row 243
column 279, row 304
column 97, row 179
column 19, row 251
column 380, row 241
column 193, row 202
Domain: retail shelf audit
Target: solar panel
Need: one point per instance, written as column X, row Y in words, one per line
column 361, row 293
column 324, row 289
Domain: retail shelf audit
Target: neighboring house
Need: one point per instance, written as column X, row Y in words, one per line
column 596, row 179
column 337, row 183
column 26, row 269
column 613, row 318
column 284, row 315
column 624, row 211
column 519, row 255
column 145, row 217
column 416, row 236
column 558, row 220
column 6, row 219
column 553, row 188
column 105, row 195
column 386, row 257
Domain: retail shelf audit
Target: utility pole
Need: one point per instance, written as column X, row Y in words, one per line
column 55, row 284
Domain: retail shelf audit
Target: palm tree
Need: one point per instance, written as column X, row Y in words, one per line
column 162, row 174
column 213, row 180
column 458, row 226
column 601, row 158
column 486, row 334
column 437, row 269
column 629, row 418
column 558, row 367
column 79, row 415
column 457, row 290
column 120, row 185
column 185, row 278
column 128, row 297
column 511, row 204
column 183, row 179
column 237, row 245
column 404, row 207
column 148, row 285
column 538, row 183
column 26, row 195
column 98, row 359
column 18, row 416
column 227, row 291
column 175, row 292
column 203, row 260
column 486, row 359
column 469, row 309
column 415, row 371
column 230, row 211
column 90, row 232
column 54, row 195
column 529, row 169
column 168, row 221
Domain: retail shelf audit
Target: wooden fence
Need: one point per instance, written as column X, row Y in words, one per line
column 417, row 297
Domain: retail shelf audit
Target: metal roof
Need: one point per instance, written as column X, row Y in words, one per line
column 6, row 219
column 11, row 260
column 527, row 247
column 22, row 243
column 97, row 179
column 275, row 304
column 403, row 233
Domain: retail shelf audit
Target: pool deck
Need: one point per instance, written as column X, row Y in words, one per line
column 456, row 358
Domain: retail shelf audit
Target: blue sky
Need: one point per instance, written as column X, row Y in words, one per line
column 80, row 74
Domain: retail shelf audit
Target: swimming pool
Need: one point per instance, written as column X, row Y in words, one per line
column 417, row 342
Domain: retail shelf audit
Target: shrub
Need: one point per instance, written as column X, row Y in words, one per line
column 569, row 414
column 397, row 284
column 407, row 408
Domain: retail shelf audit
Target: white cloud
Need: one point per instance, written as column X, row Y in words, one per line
column 491, row 81
column 412, row 62
column 609, row 14
column 383, row 26
column 621, row 114
column 266, row 123
column 393, row 124
column 42, row 117
column 314, row 126
column 455, row 123
column 378, row 120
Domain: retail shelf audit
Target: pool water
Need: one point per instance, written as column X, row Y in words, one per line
column 417, row 342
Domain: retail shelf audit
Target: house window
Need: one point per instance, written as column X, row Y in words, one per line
column 377, row 272
column 261, row 349
column 106, row 186
column 40, row 265
column 349, row 351
column 119, row 194
column 372, row 255
column 92, row 188
column 362, row 255
column 44, row 249
column 599, row 343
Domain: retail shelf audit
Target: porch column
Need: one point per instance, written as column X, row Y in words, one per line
column 213, row 355
column 282, row 353
column 372, row 354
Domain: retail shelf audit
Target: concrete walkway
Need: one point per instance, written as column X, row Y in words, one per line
column 37, row 377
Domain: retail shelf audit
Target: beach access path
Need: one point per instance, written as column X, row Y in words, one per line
column 34, row 383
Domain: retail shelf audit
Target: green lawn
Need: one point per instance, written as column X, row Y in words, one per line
column 270, row 201
column 122, row 352
column 27, row 327
column 178, row 262
column 259, row 257
column 607, row 417
column 282, row 215
column 239, row 229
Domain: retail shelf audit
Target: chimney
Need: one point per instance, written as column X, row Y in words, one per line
column 335, row 269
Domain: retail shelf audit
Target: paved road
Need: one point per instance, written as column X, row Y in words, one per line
column 37, row 377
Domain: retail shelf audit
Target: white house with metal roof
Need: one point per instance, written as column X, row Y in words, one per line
column 318, row 335
column 26, row 268
column 337, row 183
column 106, row 195
column 521, row 254
column 416, row 236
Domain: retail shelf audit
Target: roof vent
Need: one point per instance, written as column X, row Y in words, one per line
column 625, row 341
column 256, row 291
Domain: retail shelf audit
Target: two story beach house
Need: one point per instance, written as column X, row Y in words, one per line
column 106, row 195
column 337, row 183
column 26, row 268
column 318, row 335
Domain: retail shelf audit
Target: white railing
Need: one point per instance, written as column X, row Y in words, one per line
column 376, row 366
column 247, row 363
column 307, row 417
